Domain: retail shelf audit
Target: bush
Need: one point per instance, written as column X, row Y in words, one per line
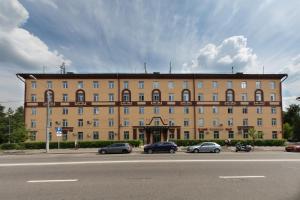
column 7, row 146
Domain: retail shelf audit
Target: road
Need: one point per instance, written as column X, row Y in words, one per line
column 228, row 175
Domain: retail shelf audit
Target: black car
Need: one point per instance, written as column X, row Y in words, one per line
column 170, row 147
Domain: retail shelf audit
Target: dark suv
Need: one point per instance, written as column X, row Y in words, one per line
column 170, row 147
column 116, row 148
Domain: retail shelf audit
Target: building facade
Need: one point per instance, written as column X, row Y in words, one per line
column 153, row 107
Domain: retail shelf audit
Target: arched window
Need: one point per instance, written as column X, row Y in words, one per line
column 80, row 96
column 126, row 95
column 259, row 95
column 229, row 95
column 156, row 95
column 49, row 94
column 186, row 95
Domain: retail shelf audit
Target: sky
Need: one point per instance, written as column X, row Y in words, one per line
column 109, row 36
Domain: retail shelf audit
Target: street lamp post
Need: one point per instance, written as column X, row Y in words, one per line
column 47, row 116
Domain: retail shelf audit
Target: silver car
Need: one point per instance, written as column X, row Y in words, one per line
column 205, row 147
column 116, row 148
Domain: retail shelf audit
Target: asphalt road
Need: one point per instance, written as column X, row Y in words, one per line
column 255, row 175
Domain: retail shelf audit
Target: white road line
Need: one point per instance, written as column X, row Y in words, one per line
column 240, row 177
column 52, row 181
column 143, row 161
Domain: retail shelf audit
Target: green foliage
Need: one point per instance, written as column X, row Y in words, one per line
column 292, row 117
column 287, row 131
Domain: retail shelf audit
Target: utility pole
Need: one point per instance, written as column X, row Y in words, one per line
column 8, row 128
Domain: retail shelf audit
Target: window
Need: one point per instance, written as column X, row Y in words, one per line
column 65, row 111
column 126, row 122
column 229, row 84
column 50, row 136
column 111, row 135
column 186, row 122
column 111, row 84
column 230, row 134
column 65, row 123
column 258, row 95
column 126, row 95
column 171, row 97
column 200, row 97
column 258, row 84
column 126, row 110
column 126, row 135
column 259, row 110
column 33, row 124
column 274, row 122
column 272, row 85
column 171, row 110
column 141, row 85
column 214, row 84
column 245, row 122
column 244, row 84
column 49, row 84
column 155, row 85
column 260, row 134
column 95, row 135
column 65, row 97
column 80, row 84
column 170, row 84
column 229, row 95
column 185, row 95
column 33, row 111
column 156, row 110
column 201, row 135
column 273, row 110
column 186, row 135
column 80, row 110
column 186, row 110
column 111, row 110
column 142, row 136
column 111, row 97
column 65, row 136
column 244, row 97
column 245, row 134
column 141, row 97
column 259, row 122
column 185, row 85
column 141, row 110
column 156, row 95
column 171, row 122
column 215, row 122
column 141, row 122
column 201, row 122
column 125, row 84
column 33, row 98
column 245, row 110
column 96, row 97
column 201, row 110
column 32, row 135
column 199, row 84
column 110, row 122
column 230, row 110
column 96, row 123
column 80, row 122
column 230, row 122
column 214, row 109
column 273, row 97
column 96, row 110
column 274, row 135
column 33, row 84
column 95, row 84
column 216, row 135
column 80, row 135
column 215, row 97
column 65, row 84
column 49, row 96
column 80, row 96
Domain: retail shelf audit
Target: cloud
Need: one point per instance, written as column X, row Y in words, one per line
column 233, row 51
column 19, row 48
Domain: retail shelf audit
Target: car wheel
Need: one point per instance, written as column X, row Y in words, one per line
column 172, row 151
column 125, row 151
column 196, row 151
column 149, row 151
column 103, row 152
column 217, row 150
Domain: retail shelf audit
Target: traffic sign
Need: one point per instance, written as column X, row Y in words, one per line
column 58, row 131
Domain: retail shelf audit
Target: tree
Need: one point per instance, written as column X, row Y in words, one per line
column 292, row 116
column 255, row 135
column 2, row 124
column 19, row 132
column 287, row 131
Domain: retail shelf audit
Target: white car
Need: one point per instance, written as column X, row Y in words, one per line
column 205, row 147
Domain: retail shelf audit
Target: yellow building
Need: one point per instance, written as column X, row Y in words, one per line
column 153, row 107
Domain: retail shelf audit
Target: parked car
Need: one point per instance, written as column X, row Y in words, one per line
column 170, row 147
column 116, row 148
column 205, row 147
column 293, row 148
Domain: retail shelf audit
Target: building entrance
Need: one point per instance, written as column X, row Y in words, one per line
column 156, row 136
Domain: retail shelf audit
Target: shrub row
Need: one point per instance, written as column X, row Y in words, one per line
column 232, row 142
column 66, row 145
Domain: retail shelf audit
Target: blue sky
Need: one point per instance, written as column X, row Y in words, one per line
column 119, row 36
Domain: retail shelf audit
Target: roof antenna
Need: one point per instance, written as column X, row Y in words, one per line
column 232, row 67
column 145, row 67
column 263, row 69
column 62, row 68
column 170, row 70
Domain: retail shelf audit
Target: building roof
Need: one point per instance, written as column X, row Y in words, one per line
column 150, row 76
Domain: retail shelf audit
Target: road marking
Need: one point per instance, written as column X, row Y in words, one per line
column 143, row 161
column 52, row 181
column 240, row 177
